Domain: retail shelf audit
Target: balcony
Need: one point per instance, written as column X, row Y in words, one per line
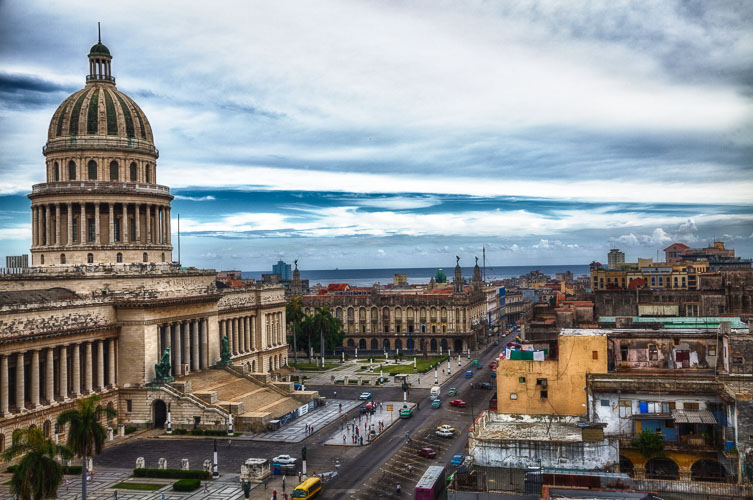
column 98, row 187
column 96, row 142
column 100, row 78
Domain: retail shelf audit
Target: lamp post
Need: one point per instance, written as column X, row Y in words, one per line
column 229, row 420
column 449, row 367
column 436, row 375
column 169, row 424
column 215, row 468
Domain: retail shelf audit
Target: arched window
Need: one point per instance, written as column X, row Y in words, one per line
column 71, row 170
column 134, row 177
column 113, row 170
column 146, row 257
column 62, row 258
column 57, row 172
column 90, row 258
column 41, row 259
column 92, row 170
column 163, row 256
column 47, row 428
column 148, row 172
column 119, row 257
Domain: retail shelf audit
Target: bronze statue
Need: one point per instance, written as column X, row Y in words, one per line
column 476, row 261
column 163, row 368
column 457, row 260
column 224, row 352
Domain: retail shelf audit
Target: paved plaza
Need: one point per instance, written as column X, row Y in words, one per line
column 295, row 431
column 379, row 422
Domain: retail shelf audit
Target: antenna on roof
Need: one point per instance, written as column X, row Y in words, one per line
column 99, row 33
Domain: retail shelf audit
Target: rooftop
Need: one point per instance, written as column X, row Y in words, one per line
column 509, row 427
column 25, row 297
column 705, row 322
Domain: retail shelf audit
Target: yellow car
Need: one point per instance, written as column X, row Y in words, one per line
column 446, row 428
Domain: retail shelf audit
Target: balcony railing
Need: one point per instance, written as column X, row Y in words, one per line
column 55, row 187
column 94, row 78
column 110, row 143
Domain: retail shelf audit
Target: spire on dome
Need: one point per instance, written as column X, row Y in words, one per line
column 100, row 61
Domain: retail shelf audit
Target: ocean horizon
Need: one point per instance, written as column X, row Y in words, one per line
column 417, row 275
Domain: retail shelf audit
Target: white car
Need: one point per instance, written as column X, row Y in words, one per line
column 365, row 395
column 445, row 433
column 283, row 459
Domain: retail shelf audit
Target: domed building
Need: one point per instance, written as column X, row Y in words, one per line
column 101, row 202
column 105, row 311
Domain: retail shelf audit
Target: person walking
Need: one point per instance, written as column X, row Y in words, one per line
column 266, row 481
column 283, row 482
column 343, row 438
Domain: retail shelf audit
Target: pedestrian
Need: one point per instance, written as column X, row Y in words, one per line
column 116, row 494
column 229, row 442
column 343, row 438
column 206, row 487
column 266, row 481
column 274, row 495
column 341, row 407
column 312, row 429
column 361, row 440
column 335, row 395
column 283, row 482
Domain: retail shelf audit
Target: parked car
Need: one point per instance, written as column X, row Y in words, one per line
column 452, row 391
column 469, row 374
column 493, row 364
column 437, row 403
column 427, row 452
column 485, row 385
column 475, row 361
column 459, row 403
column 457, row 460
column 445, row 433
column 365, row 395
column 496, row 342
column 406, row 412
column 493, row 374
column 445, row 427
column 283, row 459
column 479, row 366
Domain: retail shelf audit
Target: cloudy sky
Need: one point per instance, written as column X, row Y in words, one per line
column 398, row 134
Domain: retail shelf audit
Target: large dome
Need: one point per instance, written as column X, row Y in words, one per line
column 99, row 110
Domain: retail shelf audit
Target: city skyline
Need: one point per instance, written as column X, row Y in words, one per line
column 359, row 135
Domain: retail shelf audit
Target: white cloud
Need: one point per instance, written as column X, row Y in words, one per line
column 380, row 253
column 194, row 198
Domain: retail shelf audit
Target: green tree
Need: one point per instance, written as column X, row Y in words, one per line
column 294, row 317
column 329, row 328
column 38, row 475
column 86, row 436
column 649, row 444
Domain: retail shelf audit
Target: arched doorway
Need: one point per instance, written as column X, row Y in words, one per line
column 626, row 466
column 386, row 344
column 351, row 343
column 253, row 366
column 662, row 468
column 458, row 345
column 159, row 414
column 398, row 344
column 444, row 345
column 374, row 344
column 708, row 470
column 362, row 344
column 434, row 345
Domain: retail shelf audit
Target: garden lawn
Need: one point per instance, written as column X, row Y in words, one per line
column 422, row 366
column 139, row 486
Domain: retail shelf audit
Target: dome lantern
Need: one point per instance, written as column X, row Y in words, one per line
column 100, row 61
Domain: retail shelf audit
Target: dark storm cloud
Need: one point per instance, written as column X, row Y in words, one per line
column 20, row 90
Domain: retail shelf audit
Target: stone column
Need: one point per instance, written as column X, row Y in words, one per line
column 204, row 361
column 247, row 322
column 63, row 375
column 137, row 220
column 160, row 214
column 126, row 234
column 96, row 223
column 4, row 385
column 100, row 364
column 76, row 369
column 169, row 226
column 88, row 375
column 111, row 211
column 111, row 363
column 82, row 222
column 69, row 236
column 186, row 342
column 148, row 214
column 20, row 386
column 34, row 393
column 49, row 382
column 236, row 348
column 177, row 350
column 241, row 336
column 46, row 225
column 229, row 334
column 195, row 345
column 57, row 224
column 34, row 224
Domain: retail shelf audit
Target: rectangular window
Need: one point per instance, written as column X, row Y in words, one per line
column 522, row 380
column 513, row 395
column 397, row 328
column 544, row 394
column 91, row 230
column 604, row 402
column 669, row 424
column 667, row 407
column 541, row 382
column 690, row 406
column 595, row 354
column 626, row 408
column 132, row 230
column 653, row 352
column 129, row 405
column 74, row 229
column 711, row 348
column 116, row 230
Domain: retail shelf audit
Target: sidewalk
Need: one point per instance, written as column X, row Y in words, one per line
column 346, row 435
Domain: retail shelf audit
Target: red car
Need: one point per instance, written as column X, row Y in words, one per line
column 458, row 402
column 493, row 364
column 427, row 452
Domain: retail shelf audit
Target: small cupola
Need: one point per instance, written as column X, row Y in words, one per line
column 100, row 61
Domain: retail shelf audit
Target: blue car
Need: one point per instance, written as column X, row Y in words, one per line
column 469, row 374
column 457, row 460
column 436, row 403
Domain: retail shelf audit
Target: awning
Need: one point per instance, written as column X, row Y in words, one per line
column 693, row 417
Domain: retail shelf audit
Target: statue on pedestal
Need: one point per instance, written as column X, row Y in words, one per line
column 224, row 352
column 163, row 368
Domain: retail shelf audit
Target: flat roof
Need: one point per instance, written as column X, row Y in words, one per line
column 703, row 322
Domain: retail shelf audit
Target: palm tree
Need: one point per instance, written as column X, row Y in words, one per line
column 86, row 436
column 38, row 475
column 323, row 322
column 294, row 315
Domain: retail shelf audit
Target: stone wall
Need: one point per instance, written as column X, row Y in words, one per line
column 55, row 317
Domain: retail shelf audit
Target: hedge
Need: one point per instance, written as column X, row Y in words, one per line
column 130, row 429
column 208, row 432
column 187, row 485
column 172, row 473
column 180, row 432
column 67, row 469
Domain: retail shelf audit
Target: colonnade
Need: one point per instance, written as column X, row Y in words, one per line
column 274, row 334
column 48, row 218
column 189, row 345
column 31, row 378
column 241, row 334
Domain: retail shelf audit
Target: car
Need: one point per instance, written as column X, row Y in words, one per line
column 365, row 395
column 469, row 374
column 494, row 374
column 445, row 427
column 493, row 364
column 479, row 366
column 457, row 460
column 427, row 452
column 485, row 385
column 475, row 361
column 452, row 391
column 283, row 459
column 459, row 403
column 406, row 412
column 496, row 342
column 437, row 403
column 445, row 433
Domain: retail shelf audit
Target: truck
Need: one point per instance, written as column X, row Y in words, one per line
column 434, row 394
column 432, row 485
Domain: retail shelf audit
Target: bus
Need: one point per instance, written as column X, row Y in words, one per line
column 434, row 394
column 432, row 485
column 308, row 489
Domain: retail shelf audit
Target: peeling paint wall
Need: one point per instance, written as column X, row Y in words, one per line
column 521, row 454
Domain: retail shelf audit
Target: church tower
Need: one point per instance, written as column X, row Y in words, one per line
column 100, row 203
column 457, row 282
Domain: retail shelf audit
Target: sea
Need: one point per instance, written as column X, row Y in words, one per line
column 417, row 275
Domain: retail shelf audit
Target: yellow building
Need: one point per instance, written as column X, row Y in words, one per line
column 556, row 385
